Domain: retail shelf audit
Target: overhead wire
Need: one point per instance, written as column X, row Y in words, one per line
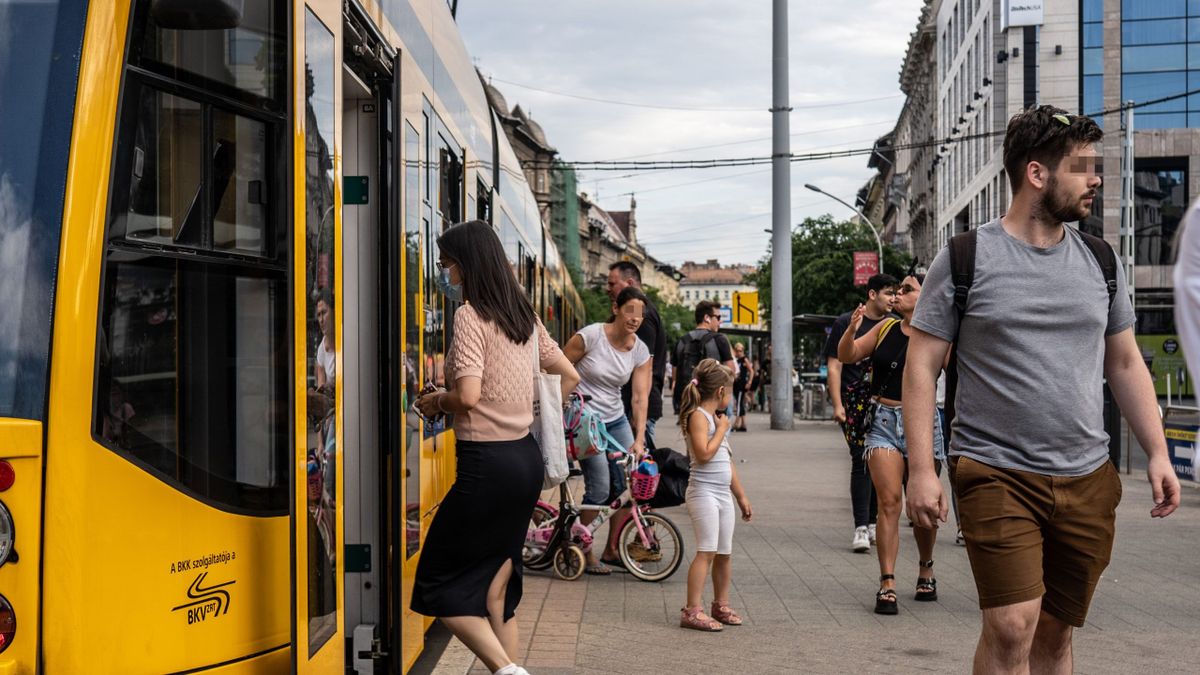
column 656, row 106
column 666, row 165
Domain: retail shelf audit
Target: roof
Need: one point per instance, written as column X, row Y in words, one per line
column 711, row 272
column 621, row 219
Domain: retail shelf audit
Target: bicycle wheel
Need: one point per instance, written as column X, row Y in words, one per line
column 569, row 562
column 534, row 549
column 664, row 554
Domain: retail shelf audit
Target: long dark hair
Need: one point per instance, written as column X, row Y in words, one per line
column 487, row 279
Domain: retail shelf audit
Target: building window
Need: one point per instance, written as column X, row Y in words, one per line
column 1160, row 56
column 1160, row 200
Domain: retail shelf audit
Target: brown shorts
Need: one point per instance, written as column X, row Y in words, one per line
column 1032, row 536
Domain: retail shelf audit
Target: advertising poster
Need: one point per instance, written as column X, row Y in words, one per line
column 1164, row 356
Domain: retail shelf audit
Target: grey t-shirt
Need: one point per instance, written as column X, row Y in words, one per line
column 1030, row 352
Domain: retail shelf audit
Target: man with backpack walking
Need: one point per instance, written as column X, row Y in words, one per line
column 703, row 342
column 1039, row 316
column 847, row 387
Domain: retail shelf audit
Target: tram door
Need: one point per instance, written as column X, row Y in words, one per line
column 318, row 615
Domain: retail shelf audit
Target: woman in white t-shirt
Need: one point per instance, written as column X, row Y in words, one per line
column 606, row 356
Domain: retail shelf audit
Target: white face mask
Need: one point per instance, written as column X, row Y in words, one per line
column 453, row 292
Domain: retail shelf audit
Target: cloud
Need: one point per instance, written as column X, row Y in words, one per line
column 704, row 54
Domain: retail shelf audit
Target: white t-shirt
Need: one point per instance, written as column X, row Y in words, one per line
column 604, row 369
column 1187, row 289
column 328, row 362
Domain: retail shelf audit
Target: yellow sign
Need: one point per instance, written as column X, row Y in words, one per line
column 745, row 309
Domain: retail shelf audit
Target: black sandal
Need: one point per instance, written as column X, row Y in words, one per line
column 885, row 599
column 926, row 588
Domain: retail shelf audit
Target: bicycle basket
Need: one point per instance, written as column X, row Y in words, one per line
column 644, row 480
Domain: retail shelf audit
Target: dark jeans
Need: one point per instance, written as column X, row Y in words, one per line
column 862, row 492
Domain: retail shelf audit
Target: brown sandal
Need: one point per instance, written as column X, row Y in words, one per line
column 725, row 615
column 696, row 619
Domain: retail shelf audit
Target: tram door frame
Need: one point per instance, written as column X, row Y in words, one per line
column 329, row 655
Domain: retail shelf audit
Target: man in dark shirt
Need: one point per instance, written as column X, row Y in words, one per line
column 881, row 290
column 621, row 275
column 708, row 320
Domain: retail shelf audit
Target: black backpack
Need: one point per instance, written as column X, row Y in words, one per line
column 962, row 273
column 689, row 352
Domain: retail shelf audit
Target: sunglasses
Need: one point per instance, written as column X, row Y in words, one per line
column 906, row 289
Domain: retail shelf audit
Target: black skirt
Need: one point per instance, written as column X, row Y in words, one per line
column 481, row 523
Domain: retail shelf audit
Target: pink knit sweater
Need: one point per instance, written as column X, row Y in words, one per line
column 480, row 349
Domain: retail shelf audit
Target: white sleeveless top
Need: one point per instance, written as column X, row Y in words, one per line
column 715, row 471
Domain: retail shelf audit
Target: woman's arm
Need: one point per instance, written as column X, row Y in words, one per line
column 564, row 368
column 851, row 350
column 641, row 396
column 575, row 349
column 463, row 399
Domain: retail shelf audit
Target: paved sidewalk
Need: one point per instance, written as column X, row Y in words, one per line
column 807, row 599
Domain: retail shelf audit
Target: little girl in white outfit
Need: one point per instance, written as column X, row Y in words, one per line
column 711, row 491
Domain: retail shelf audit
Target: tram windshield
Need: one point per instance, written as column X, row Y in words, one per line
column 39, row 46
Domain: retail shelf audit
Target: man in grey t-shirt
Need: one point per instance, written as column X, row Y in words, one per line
column 1037, row 497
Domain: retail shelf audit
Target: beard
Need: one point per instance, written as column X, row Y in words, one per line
column 1062, row 206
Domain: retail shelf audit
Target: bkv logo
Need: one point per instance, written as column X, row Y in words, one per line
column 205, row 602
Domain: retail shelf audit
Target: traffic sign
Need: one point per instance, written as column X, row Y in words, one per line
column 745, row 308
column 726, row 316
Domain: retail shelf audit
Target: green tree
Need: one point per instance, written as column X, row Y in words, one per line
column 823, row 267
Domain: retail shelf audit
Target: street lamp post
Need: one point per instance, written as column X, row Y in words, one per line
column 781, row 229
column 866, row 221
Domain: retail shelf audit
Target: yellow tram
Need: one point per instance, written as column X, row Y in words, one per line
column 218, row 223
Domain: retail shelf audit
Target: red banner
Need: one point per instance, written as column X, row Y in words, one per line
column 866, row 265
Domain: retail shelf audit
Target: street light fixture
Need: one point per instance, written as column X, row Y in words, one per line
column 866, row 221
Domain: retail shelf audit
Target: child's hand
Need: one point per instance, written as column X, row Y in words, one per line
column 722, row 423
column 747, row 512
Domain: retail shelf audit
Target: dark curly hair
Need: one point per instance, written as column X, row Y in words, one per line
column 1044, row 134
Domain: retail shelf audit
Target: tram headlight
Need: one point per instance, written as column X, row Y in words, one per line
column 8, row 623
column 6, row 536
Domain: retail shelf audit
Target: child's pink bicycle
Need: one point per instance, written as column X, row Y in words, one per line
column 649, row 544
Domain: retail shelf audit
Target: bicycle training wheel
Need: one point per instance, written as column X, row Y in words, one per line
column 661, row 558
column 533, row 554
column 569, row 562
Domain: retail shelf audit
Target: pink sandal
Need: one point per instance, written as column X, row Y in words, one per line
column 725, row 615
column 695, row 619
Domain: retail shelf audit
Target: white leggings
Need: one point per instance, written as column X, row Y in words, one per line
column 711, row 509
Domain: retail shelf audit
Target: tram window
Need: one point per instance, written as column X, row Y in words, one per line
column 193, row 380
column 167, row 172
column 412, row 338
column 483, row 202
column 248, row 59
column 240, row 181
column 182, row 195
column 450, row 177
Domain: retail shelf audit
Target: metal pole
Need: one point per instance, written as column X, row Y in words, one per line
column 1128, row 212
column 866, row 221
column 781, row 230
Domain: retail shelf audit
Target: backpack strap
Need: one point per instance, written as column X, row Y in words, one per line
column 1107, row 258
column 962, row 268
column 887, row 326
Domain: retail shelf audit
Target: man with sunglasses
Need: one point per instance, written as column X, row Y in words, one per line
column 702, row 342
column 843, row 380
column 1035, row 334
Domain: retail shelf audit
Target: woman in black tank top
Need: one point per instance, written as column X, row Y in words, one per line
column 887, row 456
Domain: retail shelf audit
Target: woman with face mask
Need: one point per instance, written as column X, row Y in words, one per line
column 886, row 452
column 469, row 574
column 607, row 355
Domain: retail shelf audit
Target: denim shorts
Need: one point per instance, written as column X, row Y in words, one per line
column 887, row 431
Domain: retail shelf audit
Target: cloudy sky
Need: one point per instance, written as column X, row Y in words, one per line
column 713, row 59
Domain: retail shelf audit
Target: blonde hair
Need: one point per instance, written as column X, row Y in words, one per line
column 708, row 376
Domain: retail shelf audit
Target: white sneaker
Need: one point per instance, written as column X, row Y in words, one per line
column 871, row 533
column 958, row 538
column 861, row 542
